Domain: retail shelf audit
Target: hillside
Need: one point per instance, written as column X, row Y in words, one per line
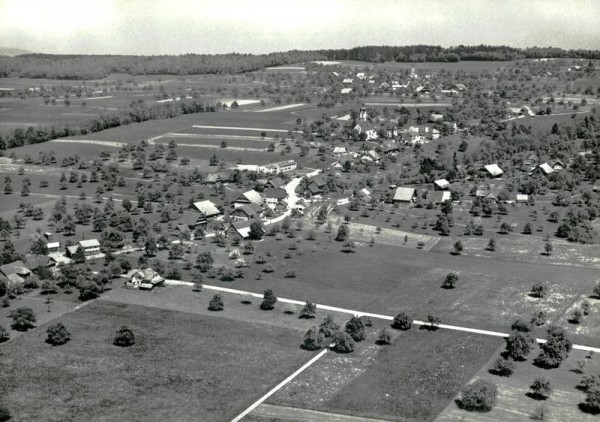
column 10, row 51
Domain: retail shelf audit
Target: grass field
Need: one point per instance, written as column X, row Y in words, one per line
column 182, row 367
column 413, row 379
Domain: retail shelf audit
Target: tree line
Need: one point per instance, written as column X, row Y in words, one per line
column 137, row 112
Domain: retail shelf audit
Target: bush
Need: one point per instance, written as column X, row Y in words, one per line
column 124, row 337
column 4, row 414
column 4, row 334
column 328, row 327
column 384, row 337
column 342, row 343
column 458, row 247
column 592, row 401
column 479, row 396
column 541, row 387
column 538, row 290
column 503, row 367
column 269, row 300
column 309, row 311
column 538, row 318
column 313, row 339
column 402, row 322
column 23, row 318
column 356, row 329
column 57, row 334
column 216, row 303
column 450, row 281
column 521, row 325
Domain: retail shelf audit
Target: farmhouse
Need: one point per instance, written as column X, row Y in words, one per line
column 276, row 182
column 522, row 199
column 437, row 197
column 145, row 279
column 436, row 117
column 247, row 212
column 249, row 197
column 441, row 184
column 544, row 169
column 404, row 195
column 556, row 164
column 279, row 167
column 53, row 247
column 207, row 210
column 274, row 197
column 192, row 219
column 389, row 146
column 15, row 272
column 36, row 262
column 239, row 229
column 221, row 177
column 89, row 247
column 345, row 90
column 491, row 170
column 367, row 128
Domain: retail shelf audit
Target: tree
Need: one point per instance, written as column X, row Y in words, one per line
column 491, row 246
column 541, row 387
column 204, row 261
column 356, row 329
column 23, row 318
column 313, row 339
column 256, row 231
column 269, row 300
column 309, row 311
column 538, row 318
column 519, row 345
column 348, row 246
column 548, row 248
column 342, row 342
column 39, row 247
column 521, row 325
column 479, row 396
column 384, row 337
column 4, row 414
column 592, row 401
column 450, row 281
column 342, row 233
column 503, row 367
column 49, row 287
column 458, row 247
column 328, row 327
column 78, row 256
column 4, row 335
column 57, row 334
column 402, row 322
column 124, row 337
column 216, row 303
column 556, row 348
column 434, row 322
column 176, row 251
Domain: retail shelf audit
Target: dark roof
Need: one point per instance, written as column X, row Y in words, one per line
column 250, row 210
column 17, row 267
column 34, row 262
column 278, row 193
column 314, row 188
column 319, row 180
column 191, row 218
column 277, row 182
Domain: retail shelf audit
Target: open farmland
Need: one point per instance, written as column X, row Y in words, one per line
column 91, row 377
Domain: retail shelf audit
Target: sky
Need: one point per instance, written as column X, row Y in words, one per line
column 150, row 27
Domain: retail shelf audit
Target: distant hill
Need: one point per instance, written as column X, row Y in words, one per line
column 10, row 51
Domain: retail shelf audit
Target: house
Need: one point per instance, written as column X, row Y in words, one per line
column 247, row 212
column 345, row 90
column 522, row 199
column 17, row 268
column 145, row 279
column 441, row 184
column 364, row 193
column 339, row 151
column 53, row 247
column 317, row 185
column 249, row 197
column 207, row 209
column 89, row 246
column 485, row 194
column 373, row 155
column 544, row 169
column 436, row 117
column 437, row 197
column 191, row 219
column 459, row 87
column 361, row 76
column 221, row 177
column 556, row 164
column 389, row 146
column 348, row 81
column 404, row 195
column 367, row 128
column 239, row 229
column 529, row 111
column 36, row 262
column 277, row 182
column 384, row 85
column 274, row 196
column 491, row 170
column 279, row 167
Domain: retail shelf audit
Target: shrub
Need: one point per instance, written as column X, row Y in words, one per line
column 4, row 335
column 450, row 281
column 434, row 322
column 384, row 337
column 269, row 300
column 356, row 329
column 592, row 401
column 309, row 311
column 290, row 274
column 402, row 322
column 328, row 327
column 313, row 339
column 503, row 367
column 596, row 291
column 216, row 303
column 538, row 290
column 576, row 316
column 23, row 318
column 4, row 414
column 479, row 396
column 538, row 318
column 268, row 268
column 458, row 247
column 518, row 345
column 124, row 337
column 49, row 287
column 342, row 343
column 58, row 334
column 589, row 381
column 541, row 387
column 521, row 325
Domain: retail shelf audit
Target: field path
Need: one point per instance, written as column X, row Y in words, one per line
column 279, row 108
column 293, row 414
column 244, row 128
column 368, row 314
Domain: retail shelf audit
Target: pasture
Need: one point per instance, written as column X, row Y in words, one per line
column 182, row 367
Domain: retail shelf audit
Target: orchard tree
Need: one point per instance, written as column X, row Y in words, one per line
column 269, row 300
column 4, row 335
column 480, row 396
column 538, row 290
column 342, row 233
column 458, row 247
column 555, row 350
column 450, row 281
column 23, row 318
column 541, row 387
column 57, row 334
column 328, row 327
column 313, row 339
column 342, row 342
column 503, row 367
column 356, row 329
column 216, row 303
column 384, row 337
column 402, row 322
column 256, row 231
column 124, row 337
column 519, row 344
column 309, row 311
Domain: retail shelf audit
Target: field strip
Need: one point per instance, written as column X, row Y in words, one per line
column 286, row 413
column 213, row 136
column 245, row 128
column 285, row 107
column 99, row 98
column 228, row 148
column 370, row 315
column 411, row 104
column 90, row 141
column 279, row 386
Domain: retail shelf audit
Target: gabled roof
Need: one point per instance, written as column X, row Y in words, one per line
column 277, row 182
column 438, row 197
column 364, row 126
column 442, row 184
column 17, row 267
column 522, row 197
column 242, row 227
column 38, row 261
column 249, row 210
column 404, row 194
column 190, row 218
column 89, row 243
column 278, row 193
column 253, row 196
column 388, row 146
column 494, row 170
column 546, row 168
column 207, row 208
